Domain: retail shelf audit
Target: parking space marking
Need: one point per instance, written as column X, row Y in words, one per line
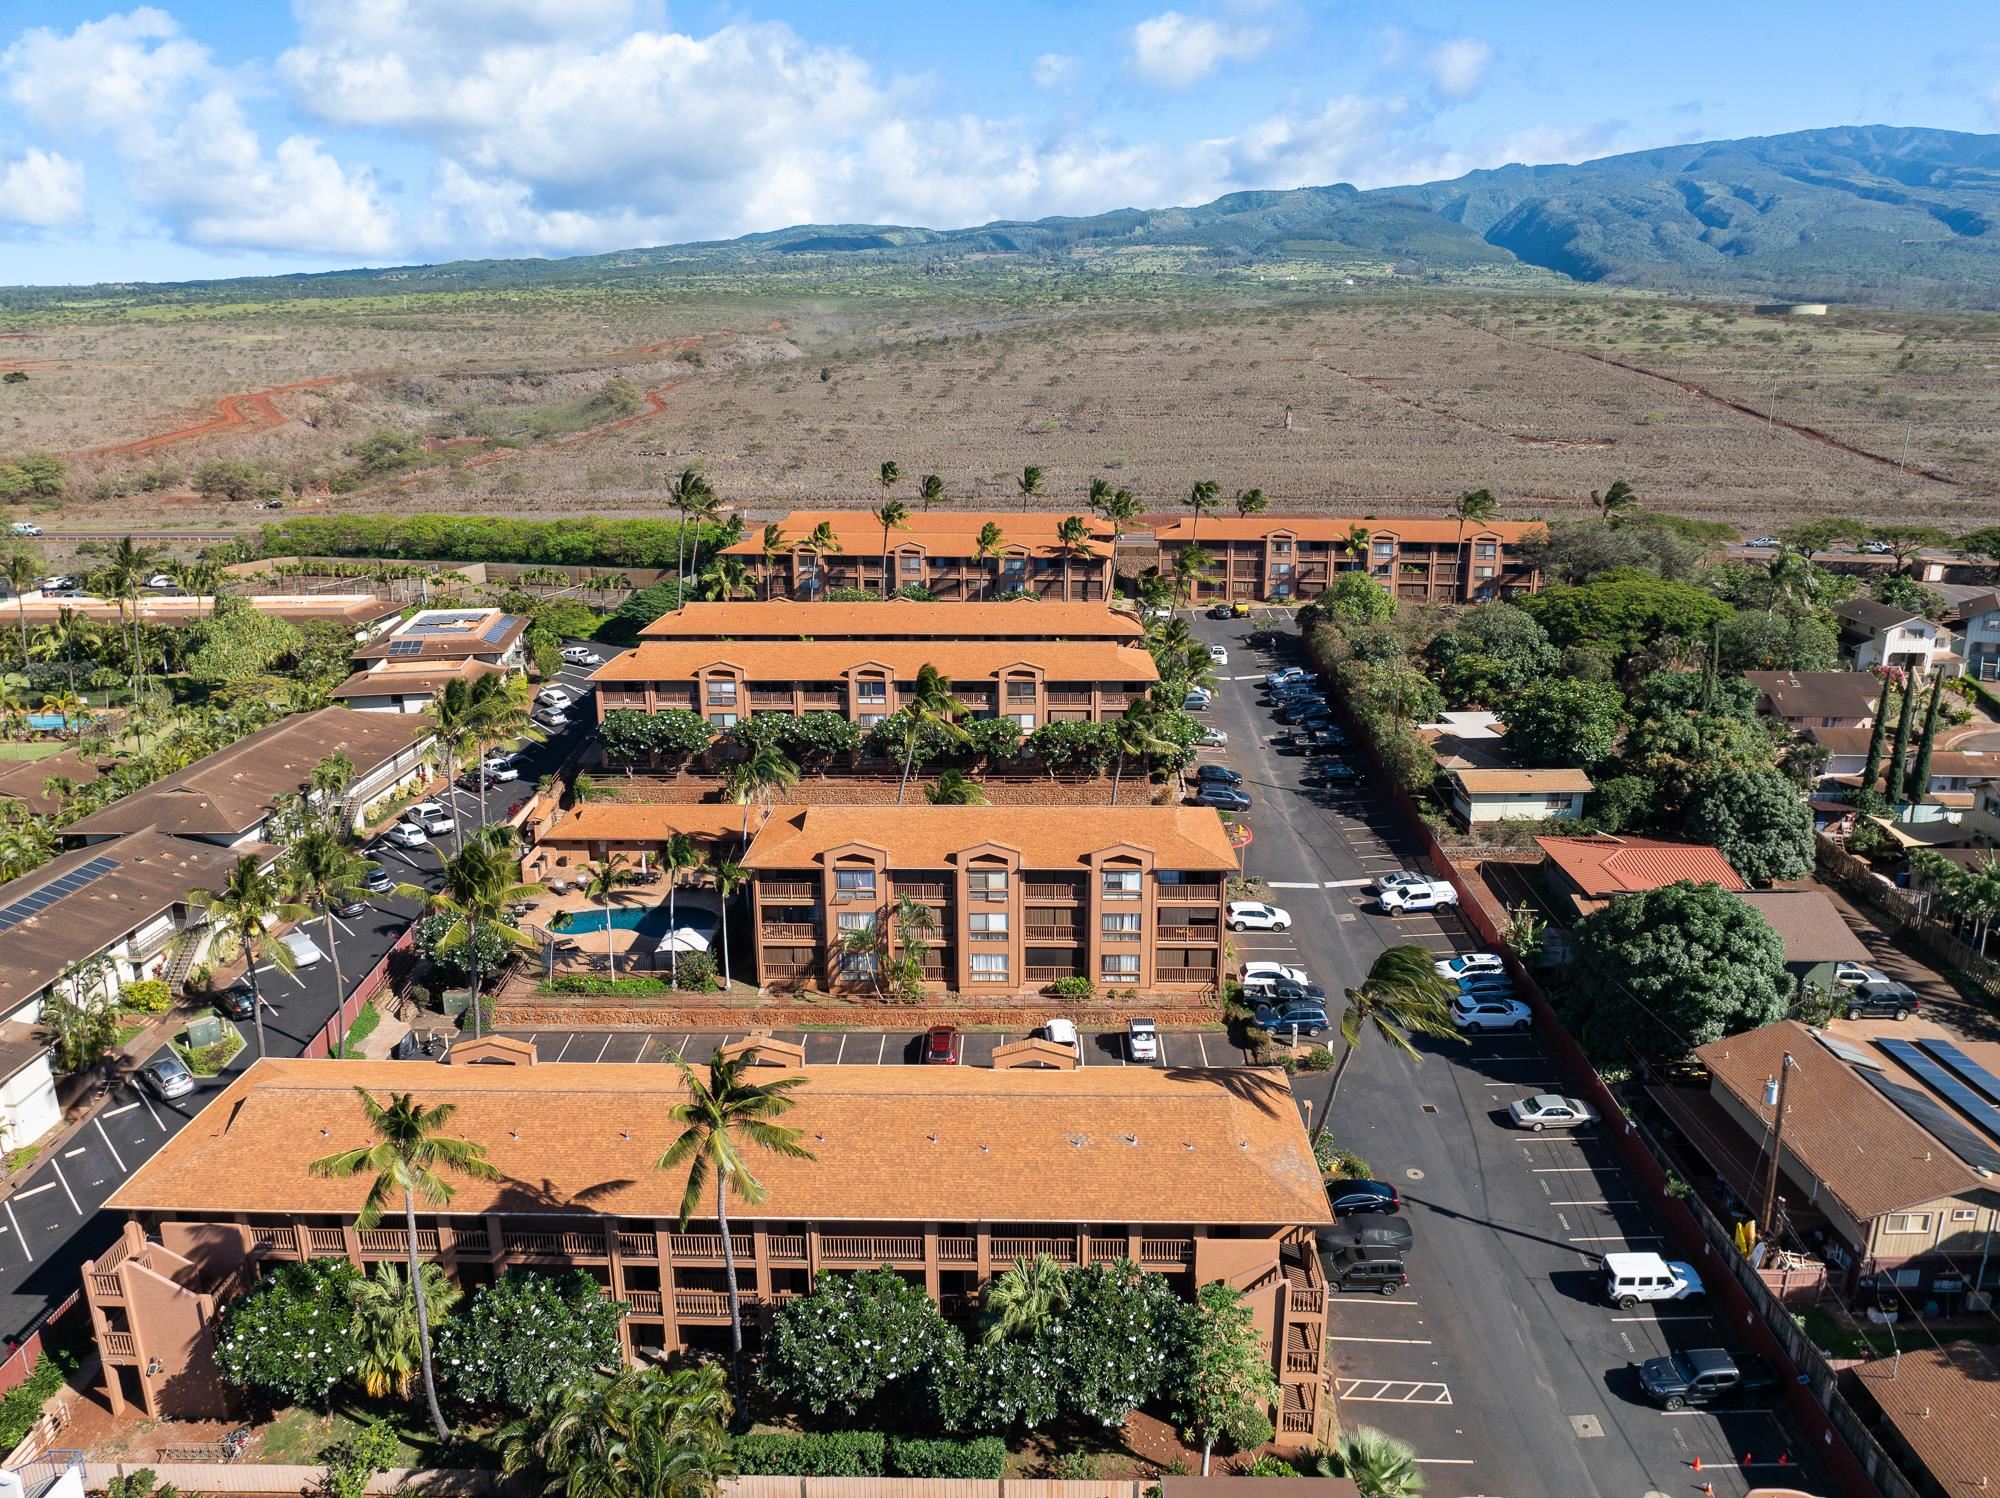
column 881, row 1049
column 566, row 1045
column 1622, row 1238
column 19, row 1236
column 1662, row 1320
column 107, row 1142
column 603, row 1048
column 1397, row 1341
column 1391, row 1391
column 114, row 1112
column 1444, row 1461
column 56, row 1166
column 33, row 1191
column 1280, row 884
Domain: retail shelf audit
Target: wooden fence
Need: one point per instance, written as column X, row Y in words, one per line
column 928, row 1487
column 258, row 1478
column 1907, row 911
column 28, row 1352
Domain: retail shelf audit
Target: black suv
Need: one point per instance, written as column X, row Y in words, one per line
column 1351, row 1270
column 1705, row 1375
column 1218, row 775
column 1882, row 1001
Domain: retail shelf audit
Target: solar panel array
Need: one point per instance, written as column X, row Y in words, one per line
column 494, row 635
column 1931, row 1116
column 443, row 624
column 30, row 906
column 406, row 647
column 1981, row 1079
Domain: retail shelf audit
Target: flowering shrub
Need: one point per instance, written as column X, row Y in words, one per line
column 525, row 1335
column 853, row 1341
column 293, row 1335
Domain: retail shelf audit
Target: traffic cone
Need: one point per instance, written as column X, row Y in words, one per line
column 1697, row 1464
column 1746, row 1459
column 1708, row 1488
column 1784, row 1458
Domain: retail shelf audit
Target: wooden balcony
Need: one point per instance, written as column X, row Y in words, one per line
column 638, row 1246
column 1104, row 1249
column 1183, row 975
column 1188, row 893
column 822, row 702
column 276, row 1241
column 1171, row 1253
column 1305, row 1303
column 777, row 702
column 1055, row 936
column 106, row 1288
column 1052, row 974
column 785, row 1248
column 394, row 1242
column 787, row 889
column 118, row 1345
column 958, row 1250
column 789, row 931
column 556, row 1245
column 1204, row 933
column 923, row 889
column 1060, row 892
column 1007, row 1250
column 326, row 1241
column 1071, row 699
column 871, row 1250
column 1295, row 1411
column 643, row 1302
column 706, row 1248
column 701, row 1305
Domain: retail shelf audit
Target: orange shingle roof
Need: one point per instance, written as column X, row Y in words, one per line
column 825, row 660
column 940, row 532
column 893, row 1144
column 1945, row 1404
column 1605, row 866
column 1422, row 528
column 1505, row 782
column 411, row 678
column 652, row 821
column 783, row 619
column 923, row 837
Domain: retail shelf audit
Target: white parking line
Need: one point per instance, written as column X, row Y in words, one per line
column 567, row 1039
column 107, row 1142
column 1391, row 1391
column 23, row 1237
column 1346, row 883
column 1397, row 1341
column 1283, row 884
column 1622, row 1238
column 881, row 1049
column 1662, row 1320
column 56, row 1166
column 1624, row 1202
column 1444, row 1461
column 114, row 1112
column 605, row 1047
column 35, row 1190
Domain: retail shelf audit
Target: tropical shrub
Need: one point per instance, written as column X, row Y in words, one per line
column 147, row 996
column 856, row 1339
column 291, row 1338
column 833, row 1453
column 628, row 733
column 527, row 1333
column 982, row 1457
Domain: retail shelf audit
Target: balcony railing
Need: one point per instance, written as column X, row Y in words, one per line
column 326, row 1240
column 1306, row 1301
column 706, row 1248
column 1166, row 1251
column 701, row 1304
column 557, row 1245
column 869, row 1250
column 119, row 1345
column 1188, row 893
column 789, row 930
column 1006, row 1250
column 638, row 1246
column 785, row 1248
column 1203, row 933
column 786, row 889
column 820, row 702
column 1054, row 891
column 1070, row 699
column 396, row 1241
column 471, row 1241
column 923, row 889
column 1059, row 936
column 273, row 1240
column 1184, row 975
column 643, row 1302
column 1051, row 974
column 106, row 1287
column 958, row 1250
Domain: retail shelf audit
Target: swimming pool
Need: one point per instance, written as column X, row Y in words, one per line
column 647, row 920
column 53, row 722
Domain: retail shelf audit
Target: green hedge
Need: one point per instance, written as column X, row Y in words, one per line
column 984, row 1457
column 837, row 1453
column 590, row 983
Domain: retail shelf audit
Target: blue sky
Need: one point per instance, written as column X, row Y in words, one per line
column 237, row 137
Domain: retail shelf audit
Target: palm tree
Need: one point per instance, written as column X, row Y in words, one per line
column 326, row 786
column 198, row 578
column 409, row 1155
column 123, row 574
column 986, row 548
column 1190, row 567
column 600, row 882
column 1073, row 536
column 729, row 877
column 930, row 491
column 1251, row 502
column 679, row 855
column 1121, row 507
column 60, row 641
column 480, row 881
column 1356, row 542
column 725, row 579
column 771, row 545
column 689, row 494
column 1138, row 738
column 894, row 515
column 387, row 1348
column 21, row 570
column 716, row 1118
column 1402, row 995
column 1024, row 1299
column 242, row 914
column 638, row 1433
column 1379, row 1466
column 324, row 873
column 822, row 543
column 497, row 711
column 1476, row 505
column 1203, row 497
column 954, row 788
column 888, row 476
column 929, row 703
column 1620, row 496
column 759, row 777
column 1029, row 483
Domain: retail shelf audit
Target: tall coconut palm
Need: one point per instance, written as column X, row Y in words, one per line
column 929, row 704
column 1190, row 569
column 21, row 571
column 930, row 491
column 498, row 711
column 387, row 1348
column 1073, row 536
column 770, row 546
column 888, row 476
column 759, row 777
column 1251, row 502
column 1401, row 996
column 409, row 1158
column 323, row 873
column 1477, row 506
column 1024, row 1299
column 200, row 579
column 688, row 494
column 327, row 785
column 1121, row 507
column 1029, row 483
column 729, row 878
column 1204, row 496
column 480, row 881
column 61, row 640
column 600, row 882
column 726, row 578
column 241, row 915
column 1356, row 543
column 893, row 515
column 718, row 1117
column 823, row 543
column 986, row 549
column 123, row 574
column 679, row 855
column 1138, row 737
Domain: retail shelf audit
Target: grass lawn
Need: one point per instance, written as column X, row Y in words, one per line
column 1835, row 1340
column 37, row 749
column 363, row 1026
column 297, row 1437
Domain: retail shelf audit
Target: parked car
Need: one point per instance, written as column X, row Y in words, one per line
column 161, row 580
column 1252, row 915
column 271, row 504
column 1063, row 1033
column 1487, row 985
column 237, row 1001
column 1349, row 1197
column 1338, row 772
column 581, row 655
column 1631, row 1278
column 435, row 820
column 167, row 1077
column 1142, row 1039
column 501, row 774
column 407, row 835
column 1288, row 673
column 554, row 718
column 554, row 697
column 379, row 881
column 1222, row 611
column 1256, row 971
column 1399, row 879
column 1197, row 700
column 1416, row 897
column 1478, row 1013
column 1705, row 1375
column 1159, row 612
column 1354, row 1269
column 1306, row 1018
column 941, row 1046
column 25, row 528
column 1212, row 738
column 1222, row 797
column 1853, row 974
column 1239, row 610
column 1283, row 993
column 305, row 951
column 504, row 759
column 1467, row 963
column 1217, row 775
column 1885, row 1000
column 1877, row 548
column 1219, row 654
column 1546, row 1110
column 60, row 584
column 1763, row 541
column 349, row 910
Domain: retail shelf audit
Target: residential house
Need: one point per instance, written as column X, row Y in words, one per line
column 404, row 669
column 897, row 619
column 1032, row 682
column 362, row 613
column 1588, row 873
column 1913, row 1205
column 1936, row 1408
column 939, row 551
column 1124, row 896
column 946, row 1175
column 1954, row 773
column 227, row 797
column 1979, row 636
column 91, row 920
column 1499, row 795
column 1879, row 634
column 1816, row 935
column 1287, row 557
column 26, row 780
column 1817, row 699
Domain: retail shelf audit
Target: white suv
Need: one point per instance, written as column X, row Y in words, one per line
column 1249, row 915
column 1471, row 1011
column 1409, row 897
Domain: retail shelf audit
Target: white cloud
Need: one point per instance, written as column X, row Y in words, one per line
column 1174, row 50
column 1053, row 70
column 41, row 189
column 191, row 155
column 1457, row 66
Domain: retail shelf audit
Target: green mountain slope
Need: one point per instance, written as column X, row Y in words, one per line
column 1869, row 213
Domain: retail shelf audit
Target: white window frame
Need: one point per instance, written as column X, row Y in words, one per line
column 990, row 967
column 1911, row 1222
column 856, row 890
column 987, row 884
column 1964, row 1214
column 989, row 925
column 1113, row 886
column 871, row 689
column 1122, row 925
column 721, row 691
column 1119, row 967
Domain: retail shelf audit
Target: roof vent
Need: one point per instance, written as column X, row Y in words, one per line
column 1129, row 1138
column 933, row 1138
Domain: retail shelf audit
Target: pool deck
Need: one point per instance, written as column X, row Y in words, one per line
column 591, row 951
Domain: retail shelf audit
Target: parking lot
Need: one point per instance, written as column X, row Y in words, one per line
column 1205, row 1048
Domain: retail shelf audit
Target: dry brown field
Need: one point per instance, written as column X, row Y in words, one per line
column 1395, row 402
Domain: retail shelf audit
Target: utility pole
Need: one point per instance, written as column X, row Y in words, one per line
column 1774, row 1096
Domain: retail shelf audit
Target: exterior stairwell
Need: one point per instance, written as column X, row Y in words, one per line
column 190, row 943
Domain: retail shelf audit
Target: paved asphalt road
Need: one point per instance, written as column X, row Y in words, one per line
column 51, row 1222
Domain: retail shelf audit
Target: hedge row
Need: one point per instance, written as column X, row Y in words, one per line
column 869, row 1453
